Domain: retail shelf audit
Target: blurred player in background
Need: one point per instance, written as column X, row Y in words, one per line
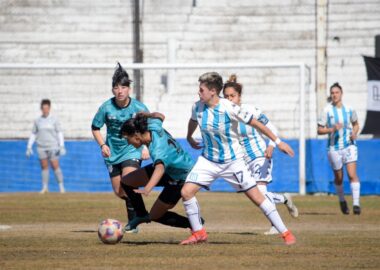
column 222, row 156
column 47, row 133
column 120, row 157
column 258, row 155
column 171, row 164
column 340, row 122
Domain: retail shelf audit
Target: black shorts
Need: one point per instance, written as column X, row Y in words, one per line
column 117, row 169
column 172, row 188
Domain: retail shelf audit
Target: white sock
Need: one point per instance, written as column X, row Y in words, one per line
column 45, row 179
column 355, row 187
column 271, row 213
column 277, row 198
column 193, row 213
column 339, row 192
column 58, row 175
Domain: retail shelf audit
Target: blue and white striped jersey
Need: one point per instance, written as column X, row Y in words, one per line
column 252, row 141
column 331, row 116
column 219, row 129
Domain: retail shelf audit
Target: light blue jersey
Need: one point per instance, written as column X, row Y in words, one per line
column 333, row 115
column 252, row 141
column 113, row 117
column 165, row 149
column 219, row 129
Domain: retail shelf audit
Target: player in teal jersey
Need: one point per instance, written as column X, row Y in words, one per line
column 120, row 157
column 170, row 167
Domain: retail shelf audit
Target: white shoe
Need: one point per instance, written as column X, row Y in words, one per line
column 293, row 211
column 62, row 190
column 44, row 190
column 271, row 231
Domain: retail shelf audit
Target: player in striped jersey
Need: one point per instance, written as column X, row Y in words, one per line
column 257, row 155
column 120, row 157
column 340, row 122
column 222, row 155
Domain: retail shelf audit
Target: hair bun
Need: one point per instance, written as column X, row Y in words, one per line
column 232, row 78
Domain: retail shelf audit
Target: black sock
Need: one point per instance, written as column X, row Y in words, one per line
column 136, row 201
column 130, row 209
column 174, row 220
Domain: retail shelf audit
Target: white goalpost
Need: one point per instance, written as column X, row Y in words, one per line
column 172, row 67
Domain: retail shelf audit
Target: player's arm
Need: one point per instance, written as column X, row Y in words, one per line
column 99, row 139
column 355, row 130
column 159, row 170
column 322, row 130
column 191, row 127
column 153, row 115
column 284, row 147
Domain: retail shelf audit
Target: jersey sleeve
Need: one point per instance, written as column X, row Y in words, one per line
column 242, row 114
column 155, row 124
column 159, row 150
column 322, row 120
column 35, row 127
column 57, row 126
column 354, row 116
column 99, row 118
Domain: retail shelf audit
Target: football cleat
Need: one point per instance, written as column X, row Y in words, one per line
column 356, row 209
column 344, row 208
column 293, row 211
column 196, row 238
column 131, row 227
column 289, row 238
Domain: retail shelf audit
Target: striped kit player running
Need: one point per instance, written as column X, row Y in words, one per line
column 340, row 122
column 223, row 156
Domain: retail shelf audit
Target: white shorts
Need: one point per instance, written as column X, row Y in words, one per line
column 346, row 155
column 236, row 173
column 261, row 169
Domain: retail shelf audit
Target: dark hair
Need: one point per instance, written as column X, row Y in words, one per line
column 331, row 87
column 45, row 102
column 138, row 124
column 120, row 77
column 212, row 80
column 336, row 85
column 232, row 82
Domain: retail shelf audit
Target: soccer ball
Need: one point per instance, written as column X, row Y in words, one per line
column 110, row 231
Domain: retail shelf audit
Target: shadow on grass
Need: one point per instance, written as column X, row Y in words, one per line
column 85, row 231
column 242, row 233
column 144, row 243
column 317, row 214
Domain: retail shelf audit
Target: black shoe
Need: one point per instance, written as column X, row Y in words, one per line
column 357, row 210
column 132, row 224
column 344, row 208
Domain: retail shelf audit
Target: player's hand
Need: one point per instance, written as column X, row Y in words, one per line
column 338, row 126
column 145, row 153
column 143, row 191
column 353, row 137
column 269, row 152
column 29, row 152
column 106, row 152
column 62, row 151
column 284, row 147
column 194, row 144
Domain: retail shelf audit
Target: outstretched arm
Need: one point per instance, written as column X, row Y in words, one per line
column 284, row 147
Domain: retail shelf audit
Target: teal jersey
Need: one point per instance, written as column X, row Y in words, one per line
column 166, row 150
column 114, row 117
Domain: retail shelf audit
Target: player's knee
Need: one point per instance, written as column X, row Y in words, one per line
column 186, row 193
